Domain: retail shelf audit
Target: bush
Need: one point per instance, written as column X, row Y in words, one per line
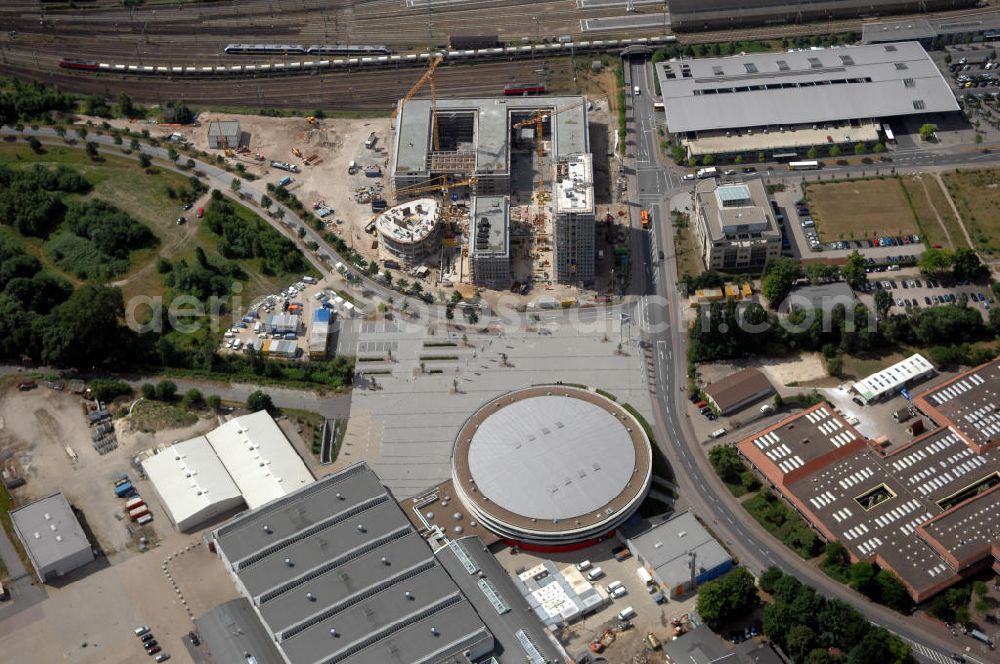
column 727, row 598
column 193, row 398
column 166, row 390
column 213, row 401
column 260, row 401
column 107, row 390
column 783, row 523
column 149, row 391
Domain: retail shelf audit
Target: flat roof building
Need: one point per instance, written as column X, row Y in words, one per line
column 680, row 553
column 821, row 298
column 247, row 460
column 551, row 466
column 335, row 573
column 928, row 511
column 574, row 219
column 699, row 15
column 932, row 31
column 735, row 225
column 739, row 390
column 52, row 536
column 889, row 381
column 559, row 596
column 769, row 102
column 489, row 241
column 970, row 404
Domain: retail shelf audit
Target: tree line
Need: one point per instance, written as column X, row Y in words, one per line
column 241, row 237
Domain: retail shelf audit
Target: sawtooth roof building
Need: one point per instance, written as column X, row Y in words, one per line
column 336, row 574
column 697, row 15
column 771, row 102
column 929, row 511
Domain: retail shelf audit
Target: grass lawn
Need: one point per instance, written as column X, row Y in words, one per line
column 977, row 196
column 858, row 367
column 687, row 254
column 932, row 210
column 151, row 416
column 859, row 209
column 6, row 505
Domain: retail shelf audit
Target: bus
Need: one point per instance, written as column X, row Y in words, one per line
column 803, row 165
column 657, row 105
column 785, row 156
column 889, row 137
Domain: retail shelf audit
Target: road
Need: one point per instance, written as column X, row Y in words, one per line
column 666, row 342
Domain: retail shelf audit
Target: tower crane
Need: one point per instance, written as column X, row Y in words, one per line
column 427, row 77
column 538, row 119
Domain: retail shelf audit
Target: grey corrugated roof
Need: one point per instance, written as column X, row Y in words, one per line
column 352, row 557
column 551, row 457
column 666, row 548
column 891, row 31
column 59, row 534
column 503, row 626
column 492, row 129
column 881, row 89
column 231, row 630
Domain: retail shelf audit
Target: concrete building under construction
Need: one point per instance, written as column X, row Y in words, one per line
column 497, row 146
column 411, row 230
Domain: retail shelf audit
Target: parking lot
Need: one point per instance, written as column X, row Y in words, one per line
column 912, row 292
column 650, row 617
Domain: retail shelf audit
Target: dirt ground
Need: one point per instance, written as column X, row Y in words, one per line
column 859, row 209
column 800, row 369
column 38, row 427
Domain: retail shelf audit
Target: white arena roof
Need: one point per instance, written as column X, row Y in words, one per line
column 549, row 457
column 192, row 483
column 247, row 461
column 259, row 458
column 802, row 87
column 892, row 378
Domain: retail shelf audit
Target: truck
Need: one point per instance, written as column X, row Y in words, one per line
column 980, row 636
column 284, row 166
column 645, row 218
column 352, row 168
column 309, row 280
column 124, row 490
column 370, row 141
column 373, row 171
column 709, row 172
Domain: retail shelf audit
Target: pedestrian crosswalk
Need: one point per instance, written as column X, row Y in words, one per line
column 927, row 654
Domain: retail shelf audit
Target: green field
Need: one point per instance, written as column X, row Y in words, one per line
column 858, row 209
column 976, row 194
column 120, row 181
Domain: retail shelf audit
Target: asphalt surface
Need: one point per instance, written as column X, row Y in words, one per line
column 666, row 340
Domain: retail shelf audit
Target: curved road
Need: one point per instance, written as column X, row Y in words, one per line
column 666, row 340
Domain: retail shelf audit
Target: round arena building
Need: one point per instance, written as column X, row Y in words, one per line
column 552, row 468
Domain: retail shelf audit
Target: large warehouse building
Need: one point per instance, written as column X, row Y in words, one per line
column 780, row 103
column 695, row 15
column 551, row 468
column 929, row 510
column 52, row 536
column 335, row 573
column 476, row 140
column 247, row 460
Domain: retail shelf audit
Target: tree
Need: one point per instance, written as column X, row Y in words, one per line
column 861, row 575
column 107, row 390
column 182, row 114
column 144, row 160
column 172, row 153
column 189, row 164
column 812, row 153
column 91, row 149
column 81, row 132
column 966, row 265
column 892, row 592
column 260, row 401
column 125, row 106
column 35, row 145
column 727, row 598
column 213, row 401
column 148, row 391
column 134, row 144
column 927, row 131
column 726, row 461
column 193, row 398
column 854, row 271
column 265, row 201
column 879, row 647
column 166, row 390
column 770, row 578
column 799, row 642
column 707, row 160
column 935, row 262
column 779, row 277
column 878, row 149
column 835, row 151
column 883, row 302
column 85, row 330
column 61, row 131
column 235, row 184
column 761, row 158
column 860, row 148
column 978, row 139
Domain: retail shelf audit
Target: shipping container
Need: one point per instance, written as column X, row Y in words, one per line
column 144, row 519
column 124, row 489
column 137, row 512
column 133, row 502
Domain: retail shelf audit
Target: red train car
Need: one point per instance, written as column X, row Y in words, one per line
column 530, row 89
column 71, row 63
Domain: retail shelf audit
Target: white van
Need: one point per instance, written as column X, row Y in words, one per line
column 626, row 613
column 635, row 90
column 718, row 433
column 595, row 574
column 614, row 585
column 583, row 566
column 619, row 592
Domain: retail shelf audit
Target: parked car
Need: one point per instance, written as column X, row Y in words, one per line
column 154, row 650
column 139, row 631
